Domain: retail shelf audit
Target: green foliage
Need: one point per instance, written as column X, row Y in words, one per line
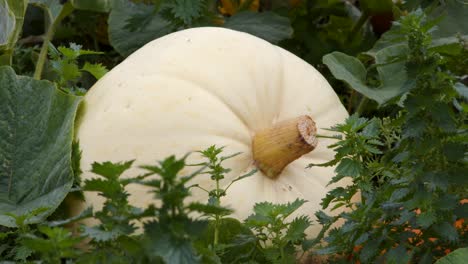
column 36, row 132
column 407, row 160
column 11, row 20
column 408, row 168
column 277, row 236
column 64, row 62
column 217, row 172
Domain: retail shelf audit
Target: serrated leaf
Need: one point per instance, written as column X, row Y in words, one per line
column 97, row 70
column 349, row 167
column 209, row 209
column 426, row 219
column 106, row 188
column 266, row 25
column 36, row 133
column 369, row 250
column 100, row 235
column 121, row 36
column 297, row 228
column 111, row 170
column 187, row 10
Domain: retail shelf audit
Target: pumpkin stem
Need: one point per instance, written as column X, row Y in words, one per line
column 275, row 147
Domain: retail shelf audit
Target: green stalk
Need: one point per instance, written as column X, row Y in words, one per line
column 66, row 10
column 358, row 25
column 217, row 218
column 362, row 105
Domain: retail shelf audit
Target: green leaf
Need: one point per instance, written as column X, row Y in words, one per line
column 11, row 22
column 351, row 71
column 36, row 132
column 349, row 167
column 122, row 38
column 446, row 231
column 92, row 5
column 458, row 256
column 426, row 219
column 209, row 209
column 397, row 255
column 187, row 10
column 297, row 228
column 111, row 170
column 159, row 242
column 97, row 70
column 100, row 235
column 266, row 25
column 453, row 23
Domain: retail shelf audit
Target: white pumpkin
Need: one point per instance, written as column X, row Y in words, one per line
column 194, row 88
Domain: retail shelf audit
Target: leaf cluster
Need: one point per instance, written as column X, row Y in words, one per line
column 408, row 169
column 64, row 63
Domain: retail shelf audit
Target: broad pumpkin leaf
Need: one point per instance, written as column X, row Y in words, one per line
column 92, row 5
column 266, row 25
column 350, row 70
column 125, row 41
column 458, row 256
column 36, row 130
column 11, row 21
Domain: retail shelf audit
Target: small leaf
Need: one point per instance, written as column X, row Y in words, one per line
column 426, row 219
column 187, row 10
column 297, row 228
column 397, row 255
column 97, row 70
column 111, row 170
column 349, row 167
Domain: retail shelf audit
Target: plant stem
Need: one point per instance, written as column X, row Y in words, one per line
column 217, row 218
column 66, row 10
column 358, row 25
column 216, row 231
column 362, row 105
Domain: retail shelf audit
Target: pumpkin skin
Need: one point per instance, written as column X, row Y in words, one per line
column 194, row 88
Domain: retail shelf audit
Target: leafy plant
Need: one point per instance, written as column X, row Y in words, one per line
column 276, row 236
column 408, row 168
column 217, row 172
column 64, row 63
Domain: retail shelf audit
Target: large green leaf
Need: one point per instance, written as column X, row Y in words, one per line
column 350, row 70
column 11, row 22
column 36, row 129
column 267, row 25
column 459, row 256
column 122, row 38
column 92, row 5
